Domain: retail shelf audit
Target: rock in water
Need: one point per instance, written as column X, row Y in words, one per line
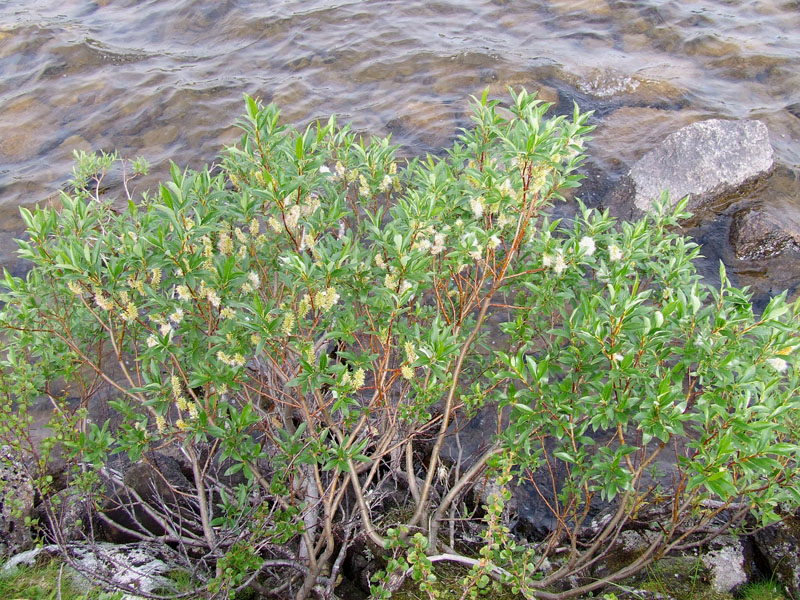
column 704, row 160
column 763, row 231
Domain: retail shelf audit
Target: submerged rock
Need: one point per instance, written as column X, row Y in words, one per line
column 430, row 124
column 606, row 83
column 704, row 160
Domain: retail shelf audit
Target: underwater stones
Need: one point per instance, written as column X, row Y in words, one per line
column 19, row 147
column 72, row 143
column 160, row 136
column 595, row 8
column 25, row 124
column 20, row 107
column 612, row 84
column 605, row 83
column 709, row 45
column 517, row 80
column 704, row 160
column 456, row 82
column 749, row 66
column 430, row 124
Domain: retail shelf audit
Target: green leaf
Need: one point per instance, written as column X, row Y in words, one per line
column 566, row 457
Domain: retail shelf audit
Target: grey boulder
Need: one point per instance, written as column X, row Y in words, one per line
column 704, row 160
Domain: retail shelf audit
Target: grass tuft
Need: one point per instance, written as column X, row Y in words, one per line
column 762, row 590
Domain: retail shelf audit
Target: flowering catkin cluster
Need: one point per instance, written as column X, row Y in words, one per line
column 354, row 380
column 209, row 294
column 183, row 405
column 586, row 247
column 326, row 299
column 424, row 243
column 235, row 361
column 407, row 370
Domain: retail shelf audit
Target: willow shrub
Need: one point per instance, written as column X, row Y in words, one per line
column 312, row 316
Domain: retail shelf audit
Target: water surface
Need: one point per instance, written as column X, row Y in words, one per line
column 164, row 79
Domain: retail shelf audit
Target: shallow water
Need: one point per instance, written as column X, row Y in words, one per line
column 165, row 80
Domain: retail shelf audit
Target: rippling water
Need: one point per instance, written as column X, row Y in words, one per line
column 164, row 79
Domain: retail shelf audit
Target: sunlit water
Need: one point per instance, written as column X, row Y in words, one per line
column 164, row 79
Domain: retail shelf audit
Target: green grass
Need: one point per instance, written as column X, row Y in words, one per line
column 46, row 581
column 762, row 590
